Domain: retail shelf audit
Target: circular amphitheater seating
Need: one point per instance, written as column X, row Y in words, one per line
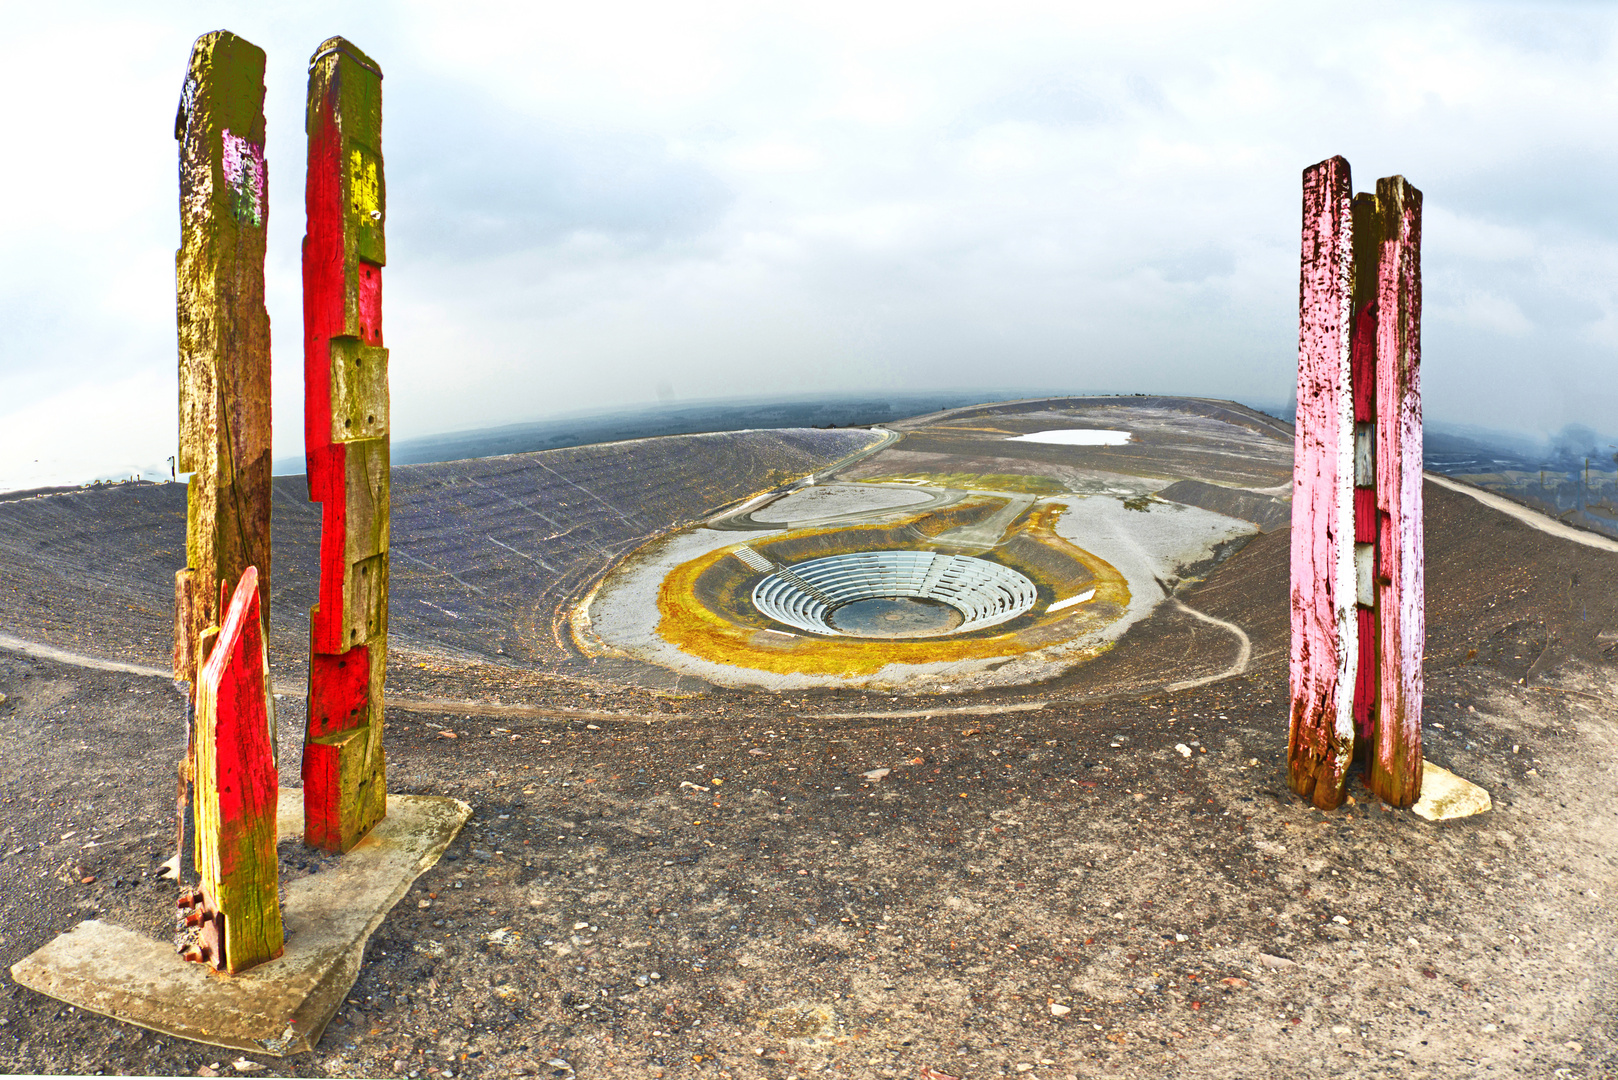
column 805, row 595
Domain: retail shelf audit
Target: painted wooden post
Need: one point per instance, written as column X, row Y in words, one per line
column 1395, row 774
column 1357, row 596
column 1362, row 383
column 346, row 443
column 1325, row 655
column 224, row 335
column 236, row 907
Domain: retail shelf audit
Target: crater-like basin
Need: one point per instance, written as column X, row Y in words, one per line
column 894, row 594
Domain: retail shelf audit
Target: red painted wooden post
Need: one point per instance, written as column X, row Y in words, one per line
column 1362, row 380
column 346, row 443
column 1395, row 774
column 224, row 347
column 236, row 907
column 1324, row 656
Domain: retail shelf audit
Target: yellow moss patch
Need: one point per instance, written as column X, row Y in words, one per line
column 950, row 429
column 1016, row 482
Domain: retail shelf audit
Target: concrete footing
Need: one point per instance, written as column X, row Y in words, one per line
column 279, row 1007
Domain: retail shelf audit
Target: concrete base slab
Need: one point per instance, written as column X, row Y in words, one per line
column 279, row 1007
column 1445, row 795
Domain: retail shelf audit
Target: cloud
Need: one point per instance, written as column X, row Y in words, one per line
column 1485, row 311
column 479, row 180
column 114, row 428
column 599, row 205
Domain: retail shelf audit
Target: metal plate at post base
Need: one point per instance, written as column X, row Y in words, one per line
column 281, row 1006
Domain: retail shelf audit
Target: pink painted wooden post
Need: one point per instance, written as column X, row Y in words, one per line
column 1324, row 658
column 1400, row 587
column 1358, row 625
column 1362, row 380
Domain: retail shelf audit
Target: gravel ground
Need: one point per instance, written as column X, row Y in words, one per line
column 1086, row 877
column 1060, row 891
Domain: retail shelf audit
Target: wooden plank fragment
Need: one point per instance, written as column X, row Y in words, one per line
column 346, row 445
column 1324, row 652
column 224, row 353
column 237, row 905
column 1396, row 760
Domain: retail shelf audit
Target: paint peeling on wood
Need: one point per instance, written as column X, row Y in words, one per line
column 238, row 911
column 243, row 168
column 224, row 331
column 1324, row 656
column 1396, row 756
column 224, row 352
column 346, row 444
column 1359, row 375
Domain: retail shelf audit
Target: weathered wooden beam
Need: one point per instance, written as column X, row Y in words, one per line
column 236, row 907
column 1362, row 383
column 1358, row 610
column 1324, row 656
column 1395, row 773
column 224, row 346
column 346, row 445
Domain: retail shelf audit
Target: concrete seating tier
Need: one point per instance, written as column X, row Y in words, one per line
column 805, row 594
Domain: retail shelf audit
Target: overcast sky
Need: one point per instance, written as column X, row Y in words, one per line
column 602, row 205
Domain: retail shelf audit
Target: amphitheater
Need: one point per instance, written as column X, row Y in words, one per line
column 828, row 596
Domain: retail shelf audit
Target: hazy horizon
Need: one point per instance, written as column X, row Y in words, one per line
column 1448, row 445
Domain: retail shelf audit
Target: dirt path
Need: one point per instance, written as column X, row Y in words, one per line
column 63, row 656
column 1243, row 656
column 1533, row 518
column 512, row 711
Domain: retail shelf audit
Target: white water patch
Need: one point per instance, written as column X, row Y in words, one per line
column 1072, row 601
column 1076, row 437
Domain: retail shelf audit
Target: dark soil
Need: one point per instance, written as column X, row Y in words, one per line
column 1042, row 882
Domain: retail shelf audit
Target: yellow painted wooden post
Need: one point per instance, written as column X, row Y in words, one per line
column 224, row 336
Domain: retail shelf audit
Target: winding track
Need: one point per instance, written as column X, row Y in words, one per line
column 1243, row 656
column 1532, row 518
column 284, row 690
